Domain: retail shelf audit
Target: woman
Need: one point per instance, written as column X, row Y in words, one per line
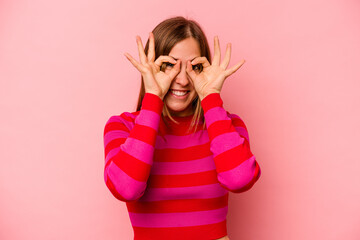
column 175, row 159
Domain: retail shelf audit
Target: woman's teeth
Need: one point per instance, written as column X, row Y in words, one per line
column 179, row 93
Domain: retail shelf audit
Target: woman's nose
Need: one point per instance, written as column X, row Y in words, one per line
column 182, row 77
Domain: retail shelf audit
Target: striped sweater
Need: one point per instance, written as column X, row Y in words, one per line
column 176, row 185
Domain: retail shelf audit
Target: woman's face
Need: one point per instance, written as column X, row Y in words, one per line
column 180, row 106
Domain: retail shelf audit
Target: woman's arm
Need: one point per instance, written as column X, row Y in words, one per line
column 129, row 148
column 236, row 166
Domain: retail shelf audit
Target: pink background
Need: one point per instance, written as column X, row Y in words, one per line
column 63, row 74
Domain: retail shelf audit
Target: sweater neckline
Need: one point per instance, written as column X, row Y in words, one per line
column 182, row 119
column 180, row 128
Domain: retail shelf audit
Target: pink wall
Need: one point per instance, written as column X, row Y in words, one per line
column 63, row 74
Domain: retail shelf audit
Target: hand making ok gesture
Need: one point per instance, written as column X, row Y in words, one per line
column 155, row 81
column 212, row 77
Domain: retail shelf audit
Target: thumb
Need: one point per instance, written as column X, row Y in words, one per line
column 190, row 71
column 175, row 70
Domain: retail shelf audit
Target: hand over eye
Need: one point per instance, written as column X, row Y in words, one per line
column 155, row 81
column 212, row 76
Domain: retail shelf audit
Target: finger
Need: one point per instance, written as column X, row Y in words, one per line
column 226, row 60
column 202, row 60
column 234, row 68
column 162, row 59
column 175, row 70
column 151, row 50
column 133, row 61
column 217, row 52
column 142, row 55
column 190, row 71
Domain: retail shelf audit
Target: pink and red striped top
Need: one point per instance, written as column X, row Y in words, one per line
column 176, row 185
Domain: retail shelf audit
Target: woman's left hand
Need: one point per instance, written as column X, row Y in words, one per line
column 212, row 77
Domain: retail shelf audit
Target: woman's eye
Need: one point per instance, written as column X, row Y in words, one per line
column 170, row 65
column 197, row 67
column 166, row 66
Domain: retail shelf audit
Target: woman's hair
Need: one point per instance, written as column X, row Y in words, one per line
column 166, row 34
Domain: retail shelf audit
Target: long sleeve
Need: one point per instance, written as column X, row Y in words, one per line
column 236, row 166
column 129, row 149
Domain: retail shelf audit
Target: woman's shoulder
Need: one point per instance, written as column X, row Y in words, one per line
column 128, row 116
column 233, row 116
column 124, row 118
column 236, row 120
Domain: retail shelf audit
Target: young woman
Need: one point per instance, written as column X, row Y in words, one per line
column 175, row 159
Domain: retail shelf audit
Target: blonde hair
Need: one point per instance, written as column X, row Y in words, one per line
column 166, row 34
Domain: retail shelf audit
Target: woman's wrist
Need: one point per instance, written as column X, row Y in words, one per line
column 157, row 94
column 202, row 96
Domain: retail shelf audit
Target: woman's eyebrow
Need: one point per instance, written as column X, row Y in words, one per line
column 177, row 58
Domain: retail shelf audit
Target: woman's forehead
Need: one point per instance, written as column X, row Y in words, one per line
column 183, row 59
column 185, row 49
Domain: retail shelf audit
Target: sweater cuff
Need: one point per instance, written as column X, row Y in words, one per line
column 152, row 102
column 210, row 101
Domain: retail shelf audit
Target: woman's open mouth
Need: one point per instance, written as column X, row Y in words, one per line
column 179, row 94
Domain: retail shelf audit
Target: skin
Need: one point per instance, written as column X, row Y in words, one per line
column 185, row 50
column 212, row 78
column 181, row 73
column 155, row 81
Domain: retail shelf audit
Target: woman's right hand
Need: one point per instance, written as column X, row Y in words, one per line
column 155, row 81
